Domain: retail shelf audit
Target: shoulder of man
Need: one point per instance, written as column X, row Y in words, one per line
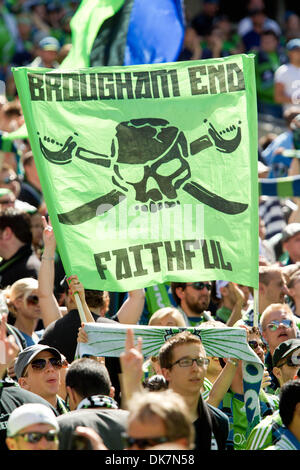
column 265, row 433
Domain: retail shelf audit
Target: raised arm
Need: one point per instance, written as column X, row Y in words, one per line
column 131, row 310
column 132, row 368
column 49, row 306
column 236, row 313
column 222, row 382
column 75, row 286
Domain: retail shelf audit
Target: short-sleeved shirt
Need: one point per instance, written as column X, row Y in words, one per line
column 289, row 76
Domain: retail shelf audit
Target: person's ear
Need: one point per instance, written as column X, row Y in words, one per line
column 180, row 292
column 11, row 443
column 23, row 382
column 166, row 373
column 7, row 233
column 112, row 392
column 277, row 372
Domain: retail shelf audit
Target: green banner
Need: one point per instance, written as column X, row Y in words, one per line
column 149, row 172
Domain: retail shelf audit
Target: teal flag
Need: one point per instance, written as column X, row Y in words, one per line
column 108, row 340
column 149, row 172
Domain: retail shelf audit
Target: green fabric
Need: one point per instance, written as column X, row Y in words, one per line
column 85, row 24
column 157, row 297
column 7, row 44
column 265, row 76
column 262, row 436
column 223, row 313
column 148, row 180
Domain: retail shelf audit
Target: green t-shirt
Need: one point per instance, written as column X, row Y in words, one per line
column 223, row 314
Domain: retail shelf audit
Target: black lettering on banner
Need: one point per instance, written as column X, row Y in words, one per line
column 53, row 83
column 98, row 260
column 227, row 266
column 136, row 250
column 88, row 88
column 177, row 254
column 155, row 255
column 123, row 270
column 235, row 77
column 142, row 86
column 188, row 254
column 207, row 263
column 160, row 83
column 124, row 84
column 195, row 76
column 216, row 74
column 71, row 87
column 36, row 87
column 106, row 86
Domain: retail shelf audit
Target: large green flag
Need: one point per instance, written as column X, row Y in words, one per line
column 149, row 172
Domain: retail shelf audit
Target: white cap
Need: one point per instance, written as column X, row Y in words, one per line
column 219, row 285
column 28, row 414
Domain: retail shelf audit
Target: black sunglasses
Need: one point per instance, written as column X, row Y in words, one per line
column 32, row 299
column 142, row 443
column 200, row 285
column 254, row 344
column 34, row 437
column 40, row 364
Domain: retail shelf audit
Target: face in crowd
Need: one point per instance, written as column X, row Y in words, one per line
column 195, row 296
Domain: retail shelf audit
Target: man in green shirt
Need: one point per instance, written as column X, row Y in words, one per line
column 286, row 362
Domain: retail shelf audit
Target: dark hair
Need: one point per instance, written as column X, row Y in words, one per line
column 88, row 377
column 269, row 32
column 156, row 383
column 289, row 397
column 18, row 222
column 174, row 286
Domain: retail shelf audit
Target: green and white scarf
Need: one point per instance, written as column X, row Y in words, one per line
column 108, row 340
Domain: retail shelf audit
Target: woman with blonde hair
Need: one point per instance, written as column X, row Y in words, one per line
column 23, row 303
column 167, row 316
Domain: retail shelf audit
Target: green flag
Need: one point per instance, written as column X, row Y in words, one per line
column 149, row 172
column 85, row 25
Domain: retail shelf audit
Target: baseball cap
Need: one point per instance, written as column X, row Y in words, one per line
column 49, row 43
column 29, row 414
column 293, row 44
column 284, row 349
column 289, row 231
column 29, row 353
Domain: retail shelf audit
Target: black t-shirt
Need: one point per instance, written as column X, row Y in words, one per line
column 24, row 263
column 62, row 335
column 11, row 397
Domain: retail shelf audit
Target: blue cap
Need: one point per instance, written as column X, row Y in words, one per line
column 49, row 44
column 293, row 44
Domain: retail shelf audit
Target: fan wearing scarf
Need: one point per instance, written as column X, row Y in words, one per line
column 90, row 399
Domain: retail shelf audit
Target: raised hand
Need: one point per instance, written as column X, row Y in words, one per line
column 48, row 237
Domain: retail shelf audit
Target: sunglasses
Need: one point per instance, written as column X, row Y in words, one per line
column 32, row 299
column 142, row 443
column 40, row 364
column 291, row 362
column 188, row 362
column 200, row 285
column 34, row 437
column 275, row 324
column 9, row 179
column 255, row 344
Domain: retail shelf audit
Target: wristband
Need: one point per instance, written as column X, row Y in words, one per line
column 232, row 361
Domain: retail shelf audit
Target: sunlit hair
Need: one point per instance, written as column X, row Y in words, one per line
column 21, row 288
column 273, row 308
column 158, row 316
column 170, row 408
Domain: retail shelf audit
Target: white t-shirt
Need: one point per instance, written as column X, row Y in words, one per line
column 289, row 76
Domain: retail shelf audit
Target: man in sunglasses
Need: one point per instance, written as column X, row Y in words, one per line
column 184, row 363
column 38, row 370
column 277, row 324
column 32, row 427
column 193, row 299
